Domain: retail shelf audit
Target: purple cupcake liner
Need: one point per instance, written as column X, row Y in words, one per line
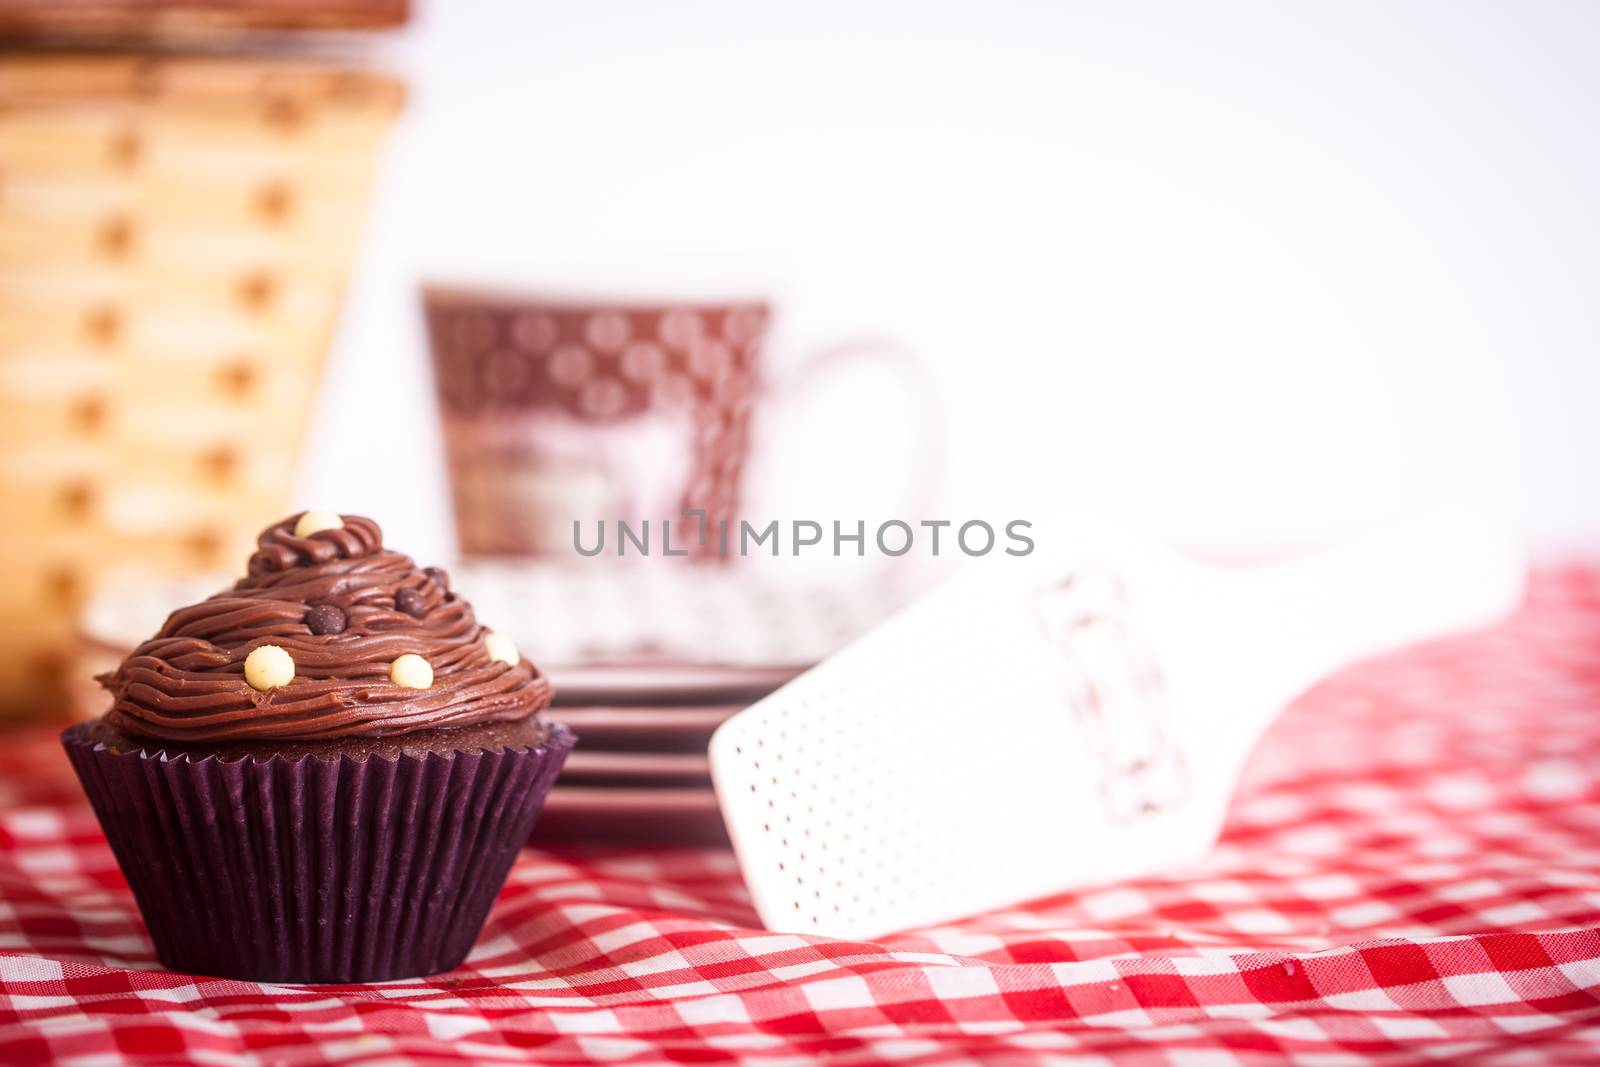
column 316, row 870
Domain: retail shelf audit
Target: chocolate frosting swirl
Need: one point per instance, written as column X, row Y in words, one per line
column 187, row 682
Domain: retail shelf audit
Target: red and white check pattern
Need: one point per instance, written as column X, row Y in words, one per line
column 1411, row 873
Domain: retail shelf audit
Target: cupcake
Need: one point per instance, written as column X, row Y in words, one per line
column 324, row 773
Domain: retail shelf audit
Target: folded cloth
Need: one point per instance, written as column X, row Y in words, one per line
column 1411, row 870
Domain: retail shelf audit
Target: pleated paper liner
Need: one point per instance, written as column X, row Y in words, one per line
column 316, row 870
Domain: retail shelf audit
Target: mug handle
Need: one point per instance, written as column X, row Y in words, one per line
column 922, row 478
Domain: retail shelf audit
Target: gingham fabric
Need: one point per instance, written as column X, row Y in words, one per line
column 1411, row 873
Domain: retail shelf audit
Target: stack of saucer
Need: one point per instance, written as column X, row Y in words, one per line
column 642, row 773
column 646, row 663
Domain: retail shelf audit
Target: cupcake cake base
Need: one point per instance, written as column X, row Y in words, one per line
column 346, row 860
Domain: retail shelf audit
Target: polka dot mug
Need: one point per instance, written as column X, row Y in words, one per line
column 557, row 411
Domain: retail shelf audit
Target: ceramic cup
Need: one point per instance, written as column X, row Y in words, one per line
column 556, row 410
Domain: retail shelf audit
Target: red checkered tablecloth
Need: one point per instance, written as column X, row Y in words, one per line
column 1410, row 873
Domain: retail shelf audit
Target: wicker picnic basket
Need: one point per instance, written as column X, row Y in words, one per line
column 175, row 233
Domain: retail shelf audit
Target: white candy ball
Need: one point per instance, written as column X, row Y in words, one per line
column 268, row 667
column 411, row 671
column 501, row 648
column 312, row 521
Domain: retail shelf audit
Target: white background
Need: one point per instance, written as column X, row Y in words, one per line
column 1254, row 275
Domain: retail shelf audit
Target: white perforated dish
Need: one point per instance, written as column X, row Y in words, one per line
column 1034, row 726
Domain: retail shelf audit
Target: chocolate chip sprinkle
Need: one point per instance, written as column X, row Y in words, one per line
column 440, row 577
column 411, row 602
column 323, row 619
